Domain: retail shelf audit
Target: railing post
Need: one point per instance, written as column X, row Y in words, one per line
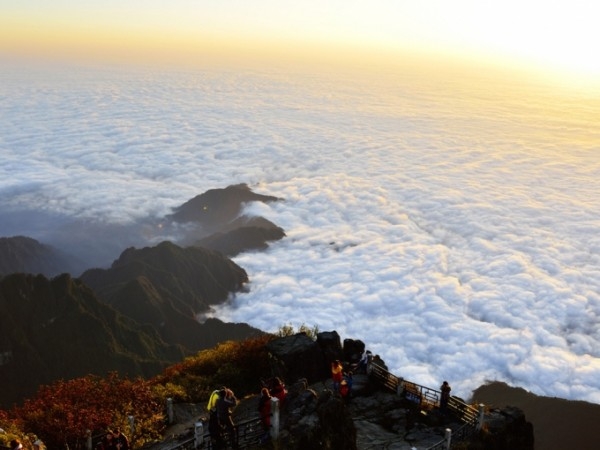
column 275, row 418
column 131, row 420
column 198, row 434
column 400, row 387
column 170, row 418
column 448, row 438
column 481, row 417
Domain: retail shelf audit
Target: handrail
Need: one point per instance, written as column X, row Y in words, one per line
column 428, row 398
column 248, row 433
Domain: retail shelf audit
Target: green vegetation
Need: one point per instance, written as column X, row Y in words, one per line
column 238, row 365
column 288, row 330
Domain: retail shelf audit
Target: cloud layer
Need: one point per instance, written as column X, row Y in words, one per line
column 449, row 223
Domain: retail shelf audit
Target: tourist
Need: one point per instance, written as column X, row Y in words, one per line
column 264, row 409
column 364, row 362
column 108, row 442
column 226, row 402
column 445, row 396
column 336, row 374
column 344, row 389
column 278, row 390
column 122, row 443
column 211, row 406
column 349, row 382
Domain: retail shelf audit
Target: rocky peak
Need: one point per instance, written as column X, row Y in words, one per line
column 373, row 417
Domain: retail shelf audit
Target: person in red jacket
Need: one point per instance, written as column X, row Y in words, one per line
column 264, row 409
column 278, row 390
column 337, row 373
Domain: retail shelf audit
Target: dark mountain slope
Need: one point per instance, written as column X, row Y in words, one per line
column 242, row 239
column 558, row 423
column 215, row 220
column 192, row 278
column 216, row 208
column 57, row 328
column 167, row 287
column 26, row 255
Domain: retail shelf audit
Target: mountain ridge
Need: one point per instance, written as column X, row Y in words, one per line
column 136, row 316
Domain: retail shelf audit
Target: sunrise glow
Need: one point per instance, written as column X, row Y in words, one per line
column 554, row 36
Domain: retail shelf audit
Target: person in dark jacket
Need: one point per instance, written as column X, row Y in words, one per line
column 226, row 402
column 108, row 442
column 445, row 395
column 121, row 441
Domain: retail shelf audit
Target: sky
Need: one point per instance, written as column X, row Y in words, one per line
column 559, row 37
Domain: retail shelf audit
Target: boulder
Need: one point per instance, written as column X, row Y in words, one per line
column 353, row 350
column 297, row 356
column 331, row 345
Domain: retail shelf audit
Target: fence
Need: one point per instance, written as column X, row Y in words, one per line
column 248, row 433
column 428, row 398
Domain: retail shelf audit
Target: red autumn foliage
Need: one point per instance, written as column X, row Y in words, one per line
column 66, row 411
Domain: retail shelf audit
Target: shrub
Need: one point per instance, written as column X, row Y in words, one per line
column 288, row 330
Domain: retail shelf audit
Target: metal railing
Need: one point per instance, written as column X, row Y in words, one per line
column 428, row 398
column 248, row 434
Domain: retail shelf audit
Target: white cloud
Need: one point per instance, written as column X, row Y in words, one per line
column 455, row 233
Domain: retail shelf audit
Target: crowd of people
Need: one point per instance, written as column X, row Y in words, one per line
column 221, row 402
column 342, row 380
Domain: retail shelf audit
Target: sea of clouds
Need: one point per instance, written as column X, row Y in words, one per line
column 452, row 224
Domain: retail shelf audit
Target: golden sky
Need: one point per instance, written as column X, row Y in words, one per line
column 559, row 36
